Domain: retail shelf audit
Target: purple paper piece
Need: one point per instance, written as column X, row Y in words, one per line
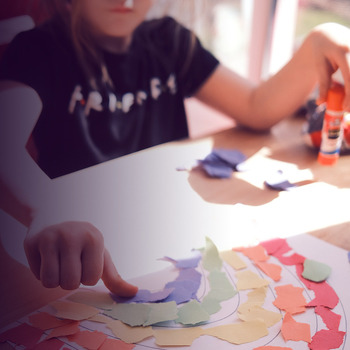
column 185, row 286
column 186, row 263
column 349, row 256
column 220, row 163
column 145, row 296
column 279, row 182
column 217, row 170
column 230, row 156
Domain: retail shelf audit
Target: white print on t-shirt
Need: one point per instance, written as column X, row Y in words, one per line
column 126, row 101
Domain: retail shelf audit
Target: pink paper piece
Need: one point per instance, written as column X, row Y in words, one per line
column 51, row 344
column 327, row 339
column 88, row 340
column 294, row 259
column 23, row 334
column 324, row 293
column 296, row 331
column 65, row 330
column 330, row 319
column 113, row 344
column 277, row 246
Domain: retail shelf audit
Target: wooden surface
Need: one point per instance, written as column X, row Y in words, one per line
column 147, row 209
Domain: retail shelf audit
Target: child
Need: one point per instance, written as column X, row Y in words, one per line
column 111, row 83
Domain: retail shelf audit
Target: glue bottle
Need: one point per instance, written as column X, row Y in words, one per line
column 332, row 132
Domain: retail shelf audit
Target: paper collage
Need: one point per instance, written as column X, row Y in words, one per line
column 267, row 297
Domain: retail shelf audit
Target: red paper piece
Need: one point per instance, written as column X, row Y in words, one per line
column 276, row 246
column 294, row 259
column 326, row 340
column 45, row 321
column 324, row 293
column 271, row 270
column 272, row 348
column 65, row 330
column 51, row 344
column 113, row 344
column 23, row 334
column 330, row 319
column 255, row 254
column 88, row 340
column 290, row 299
column 292, row 330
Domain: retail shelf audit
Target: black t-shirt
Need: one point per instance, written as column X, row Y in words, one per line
column 79, row 127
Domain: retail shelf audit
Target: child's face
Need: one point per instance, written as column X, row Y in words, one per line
column 114, row 18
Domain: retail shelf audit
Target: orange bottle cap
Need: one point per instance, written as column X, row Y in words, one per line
column 335, row 97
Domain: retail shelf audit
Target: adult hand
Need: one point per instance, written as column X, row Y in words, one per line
column 331, row 50
column 71, row 253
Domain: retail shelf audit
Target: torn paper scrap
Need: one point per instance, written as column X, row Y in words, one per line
column 129, row 334
column 292, row 330
column 90, row 340
column 100, row 300
column 73, row 311
column 290, row 299
column 192, row 313
column 316, row 271
column 211, row 257
column 233, row 259
column 249, row 280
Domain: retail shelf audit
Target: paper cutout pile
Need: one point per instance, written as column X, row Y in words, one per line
column 177, row 316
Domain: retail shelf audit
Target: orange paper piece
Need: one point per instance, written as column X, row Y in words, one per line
column 271, row 270
column 113, row 344
column 63, row 331
column 45, row 321
column 256, row 254
column 296, row 331
column 74, row 311
column 88, row 340
column 290, row 299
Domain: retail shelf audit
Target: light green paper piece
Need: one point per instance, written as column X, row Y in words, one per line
column 131, row 314
column 161, row 312
column 316, row 271
column 210, row 305
column 211, row 257
column 220, row 287
column 137, row 314
column 192, row 313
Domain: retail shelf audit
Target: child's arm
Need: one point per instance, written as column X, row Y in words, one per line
column 26, row 191
column 324, row 51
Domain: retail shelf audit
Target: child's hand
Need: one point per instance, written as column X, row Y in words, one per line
column 71, row 253
column 331, row 50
